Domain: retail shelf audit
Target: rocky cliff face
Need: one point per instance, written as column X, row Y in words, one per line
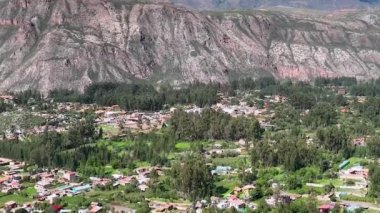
column 48, row 44
column 328, row 5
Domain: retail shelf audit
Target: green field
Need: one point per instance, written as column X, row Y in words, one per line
column 234, row 162
column 14, row 197
column 109, row 129
column 113, row 145
column 335, row 182
column 74, row 202
column 183, row 146
column 354, row 161
column 30, row 191
column 227, row 185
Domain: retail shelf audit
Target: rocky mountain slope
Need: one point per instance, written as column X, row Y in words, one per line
column 328, row 5
column 48, row 44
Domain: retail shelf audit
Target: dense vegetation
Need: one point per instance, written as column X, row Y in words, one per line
column 211, row 124
column 139, row 96
column 311, row 137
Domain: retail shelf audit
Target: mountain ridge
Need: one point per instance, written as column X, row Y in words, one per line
column 328, row 5
column 69, row 44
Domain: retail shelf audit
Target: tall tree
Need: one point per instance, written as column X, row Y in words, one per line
column 193, row 177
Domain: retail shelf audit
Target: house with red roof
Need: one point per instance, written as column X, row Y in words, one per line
column 326, row 208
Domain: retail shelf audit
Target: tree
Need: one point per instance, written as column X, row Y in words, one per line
column 336, row 140
column 322, row 115
column 257, row 193
column 373, row 146
column 302, row 101
column 285, row 116
column 193, row 177
column 374, row 177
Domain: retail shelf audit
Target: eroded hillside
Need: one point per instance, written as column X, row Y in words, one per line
column 47, row 44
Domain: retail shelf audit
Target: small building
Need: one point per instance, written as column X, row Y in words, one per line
column 10, row 205
column 95, row 209
column 359, row 141
column 51, row 199
column 143, row 187
column 222, row 204
column 221, row 170
column 326, row 208
column 237, row 190
column 344, row 164
column 56, row 208
column 353, row 209
column 80, row 189
column 237, row 204
column 247, row 189
column 70, row 176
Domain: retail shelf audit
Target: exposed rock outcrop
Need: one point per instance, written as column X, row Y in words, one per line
column 48, row 44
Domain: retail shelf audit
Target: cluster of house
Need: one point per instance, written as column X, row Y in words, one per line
column 11, row 181
column 145, row 121
column 356, row 172
column 348, row 207
column 54, row 122
column 141, row 179
column 53, row 185
column 241, row 109
column 8, row 99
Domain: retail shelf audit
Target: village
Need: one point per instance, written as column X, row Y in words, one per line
column 51, row 185
column 24, row 186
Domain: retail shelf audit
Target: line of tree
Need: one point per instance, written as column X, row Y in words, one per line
column 212, row 124
column 140, row 96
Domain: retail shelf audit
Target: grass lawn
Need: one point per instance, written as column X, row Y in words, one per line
column 335, row 182
column 142, row 164
column 227, row 185
column 74, row 202
column 112, row 145
column 109, row 129
column 28, row 184
column 30, row 191
column 370, row 211
column 14, row 197
column 103, row 196
column 358, row 199
column 234, row 162
column 183, row 146
column 356, row 161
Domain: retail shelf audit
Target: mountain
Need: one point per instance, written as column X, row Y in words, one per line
column 49, row 44
column 328, row 5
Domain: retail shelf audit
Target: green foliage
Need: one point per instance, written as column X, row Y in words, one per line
column 286, row 116
column 371, row 110
column 139, row 95
column 336, row 140
column 27, row 97
column 210, row 124
column 374, row 177
column 292, row 153
column 341, row 81
column 193, row 177
column 373, row 146
column 322, row 115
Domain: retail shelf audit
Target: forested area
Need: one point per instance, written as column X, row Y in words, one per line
column 211, row 124
column 145, row 96
column 140, row 96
